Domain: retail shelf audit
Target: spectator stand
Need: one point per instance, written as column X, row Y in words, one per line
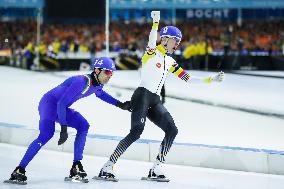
column 227, row 35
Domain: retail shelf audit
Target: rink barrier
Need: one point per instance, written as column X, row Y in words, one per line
column 199, row 155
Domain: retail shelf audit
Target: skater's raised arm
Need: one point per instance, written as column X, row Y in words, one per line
column 153, row 34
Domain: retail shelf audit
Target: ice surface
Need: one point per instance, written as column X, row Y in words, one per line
column 48, row 169
column 197, row 123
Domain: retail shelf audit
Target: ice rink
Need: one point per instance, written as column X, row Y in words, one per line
column 49, row 168
column 207, row 117
column 212, row 115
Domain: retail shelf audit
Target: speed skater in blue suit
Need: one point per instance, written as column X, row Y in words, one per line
column 54, row 107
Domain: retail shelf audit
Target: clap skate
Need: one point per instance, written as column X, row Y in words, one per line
column 18, row 177
column 77, row 173
column 107, row 173
column 156, row 174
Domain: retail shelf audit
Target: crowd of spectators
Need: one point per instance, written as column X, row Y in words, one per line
column 220, row 36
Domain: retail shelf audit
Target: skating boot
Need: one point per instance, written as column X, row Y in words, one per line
column 107, row 173
column 77, row 173
column 156, row 173
column 18, row 177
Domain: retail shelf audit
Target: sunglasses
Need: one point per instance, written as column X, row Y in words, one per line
column 108, row 72
column 176, row 39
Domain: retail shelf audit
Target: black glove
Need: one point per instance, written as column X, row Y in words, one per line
column 125, row 105
column 63, row 134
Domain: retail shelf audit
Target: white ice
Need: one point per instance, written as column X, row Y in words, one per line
column 49, row 168
column 21, row 91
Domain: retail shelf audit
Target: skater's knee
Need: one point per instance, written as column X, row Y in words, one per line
column 171, row 127
column 136, row 132
column 46, row 125
column 84, row 128
column 82, row 133
column 80, row 123
column 173, row 131
column 45, row 137
column 47, row 129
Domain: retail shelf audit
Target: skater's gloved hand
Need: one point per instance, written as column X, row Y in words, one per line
column 216, row 78
column 219, row 77
column 156, row 16
column 124, row 105
column 63, row 134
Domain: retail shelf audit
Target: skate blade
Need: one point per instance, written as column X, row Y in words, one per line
column 67, row 179
column 105, row 179
column 15, row 182
column 156, row 179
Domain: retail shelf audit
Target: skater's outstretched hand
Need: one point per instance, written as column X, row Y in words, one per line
column 215, row 78
column 63, row 134
column 124, row 105
column 219, row 77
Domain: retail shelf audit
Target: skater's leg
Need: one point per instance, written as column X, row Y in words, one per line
column 138, row 119
column 137, row 127
column 47, row 112
column 163, row 119
column 47, row 128
column 140, row 105
column 77, row 121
